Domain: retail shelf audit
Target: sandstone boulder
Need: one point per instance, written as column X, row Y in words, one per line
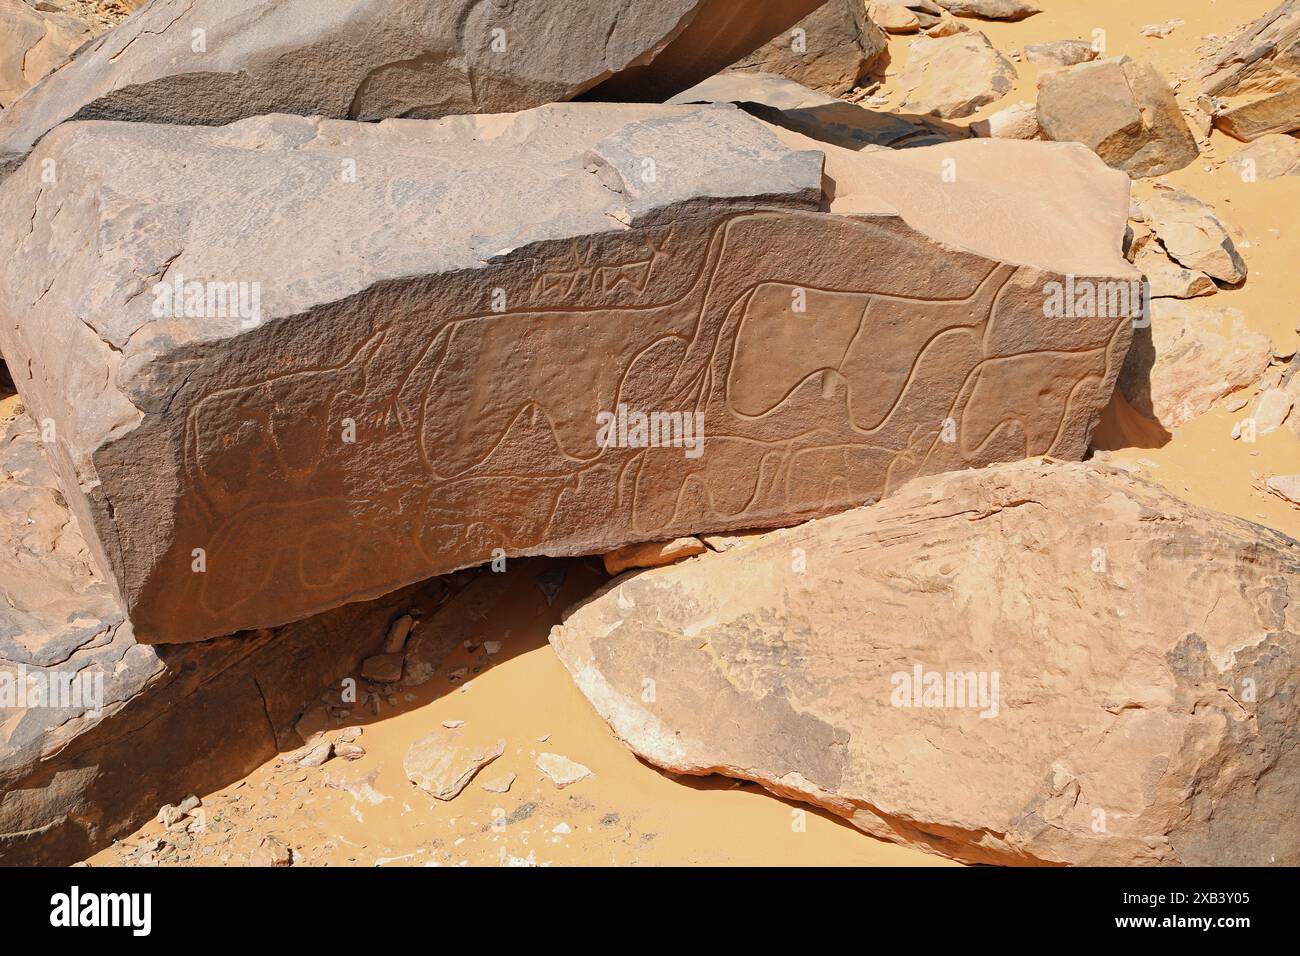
column 1060, row 52
column 1268, row 157
column 1255, row 80
column 990, row 9
column 97, row 731
column 989, row 665
column 1166, row 278
column 211, row 62
column 894, row 17
column 1193, row 235
column 833, row 49
column 1192, row 354
column 319, row 417
column 1122, row 110
column 953, row 76
column 33, row 43
column 1018, row 121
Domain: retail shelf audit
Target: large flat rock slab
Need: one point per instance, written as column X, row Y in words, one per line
column 463, row 327
column 210, row 62
column 991, row 665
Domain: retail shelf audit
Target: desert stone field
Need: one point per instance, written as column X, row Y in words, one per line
column 649, row 433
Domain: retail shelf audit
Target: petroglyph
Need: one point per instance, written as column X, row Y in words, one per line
column 407, row 415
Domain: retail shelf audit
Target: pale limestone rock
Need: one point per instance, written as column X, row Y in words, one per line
column 1286, row 487
column 1270, row 156
column 1060, row 686
column 1060, row 52
column 1192, row 355
column 443, row 763
column 1193, row 235
column 954, row 76
column 562, row 771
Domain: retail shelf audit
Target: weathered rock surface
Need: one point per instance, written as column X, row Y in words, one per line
column 990, row 9
column 1255, row 80
column 793, row 106
column 969, row 669
column 33, row 43
column 894, row 17
column 1018, row 121
column 651, row 554
column 1166, row 278
column 953, row 76
column 1278, row 402
column 1060, row 52
column 1268, row 157
column 375, row 423
column 1192, row 355
column 833, row 49
column 1286, row 487
column 1193, row 235
column 138, row 727
column 1121, row 109
column 444, row 762
column 374, row 59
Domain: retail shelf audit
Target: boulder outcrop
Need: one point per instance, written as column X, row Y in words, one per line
column 212, row 62
column 1121, row 109
column 1254, row 83
column 98, row 731
column 258, row 417
column 972, row 668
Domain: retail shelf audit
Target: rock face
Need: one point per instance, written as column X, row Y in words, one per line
column 374, row 59
column 1255, row 81
column 33, row 43
column 1122, row 110
column 833, row 49
column 132, row 727
column 953, row 76
column 1193, row 235
column 971, row 629
column 1192, row 355
column 365, row 418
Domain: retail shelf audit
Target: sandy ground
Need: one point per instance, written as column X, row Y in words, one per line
column 365, row 812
